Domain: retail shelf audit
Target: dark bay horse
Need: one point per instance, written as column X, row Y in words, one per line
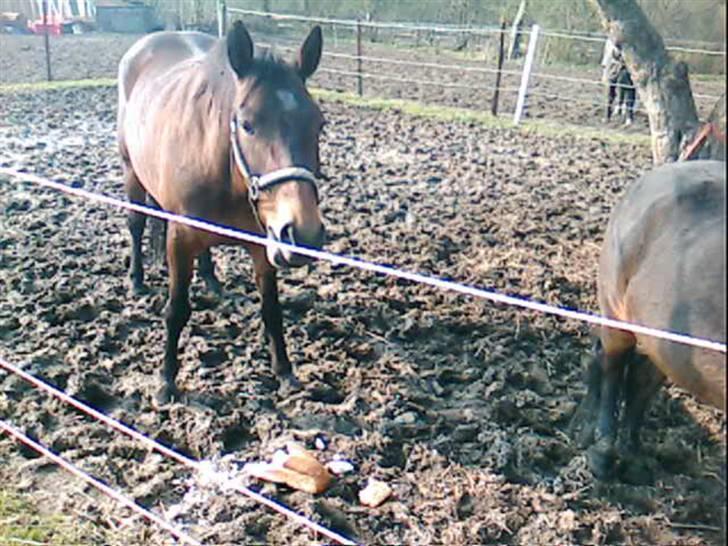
column 207, row 129
column 662, row 265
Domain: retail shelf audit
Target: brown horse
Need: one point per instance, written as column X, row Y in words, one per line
column 662, row 265
column 206, row 129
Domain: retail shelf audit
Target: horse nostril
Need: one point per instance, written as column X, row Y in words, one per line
column 282, row 234
column 288, row 234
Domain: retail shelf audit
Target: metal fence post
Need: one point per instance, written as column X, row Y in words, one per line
column 523, row 90
column 46, row 41
column 221, row 18
column 359, row 82
column 494, row 104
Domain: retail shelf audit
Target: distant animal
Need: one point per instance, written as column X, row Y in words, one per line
column 619, row 83
column 207, row 129
column 662, row 265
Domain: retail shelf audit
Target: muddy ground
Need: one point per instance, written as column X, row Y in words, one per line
column 460, row 405
column 560, row 101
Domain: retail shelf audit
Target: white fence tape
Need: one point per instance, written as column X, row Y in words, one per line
column 337, row 259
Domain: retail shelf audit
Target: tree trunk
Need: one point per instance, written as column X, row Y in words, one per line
column 663, row 84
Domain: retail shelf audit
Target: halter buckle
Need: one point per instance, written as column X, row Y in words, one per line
column 253, row 188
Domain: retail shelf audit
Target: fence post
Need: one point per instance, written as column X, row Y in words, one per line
column 494, row 104
column 46, row 41
column 359, row 82
column 530, row 54
column 221, row 18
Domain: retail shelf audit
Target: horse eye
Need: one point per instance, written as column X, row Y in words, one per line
column 248, row 127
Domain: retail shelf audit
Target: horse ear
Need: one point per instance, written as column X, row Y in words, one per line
column 310, row 53
column 240, row 49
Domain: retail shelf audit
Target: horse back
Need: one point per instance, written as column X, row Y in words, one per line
column 173, row 88
column 156, row 53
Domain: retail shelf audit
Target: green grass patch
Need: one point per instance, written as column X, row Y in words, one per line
column 55, row 85
column 22, row 523
column 714, row 78
column 407, row 107
column 449, row 113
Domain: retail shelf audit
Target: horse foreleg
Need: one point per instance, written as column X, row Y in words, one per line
column 266, row 280
column 180, row 259
column 136, row 222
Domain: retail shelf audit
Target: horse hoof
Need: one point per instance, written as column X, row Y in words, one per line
column 214, row 286
column 289, row 384
column 601, row 460
column 584, row 436
column 636, row 472
column 167, row 394
column 138, row 289
column 582, row 425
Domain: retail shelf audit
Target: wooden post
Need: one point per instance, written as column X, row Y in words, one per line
column 494, row 105
column 221, row 18
column 359, row 81
column 523, row 90
column 47, row 41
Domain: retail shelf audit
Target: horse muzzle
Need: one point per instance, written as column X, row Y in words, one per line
column 282, row 258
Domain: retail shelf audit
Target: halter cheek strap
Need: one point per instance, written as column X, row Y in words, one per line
column 261, row 183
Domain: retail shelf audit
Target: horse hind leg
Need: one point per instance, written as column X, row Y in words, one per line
column 206, row 267
column 180, row 259
column 642, row 381
column 136, row 222
column 583, row 423
column 617, row 348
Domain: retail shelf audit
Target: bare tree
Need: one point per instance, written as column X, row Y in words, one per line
column 663, row 84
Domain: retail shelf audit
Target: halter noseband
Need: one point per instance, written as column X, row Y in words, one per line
column 261, row 183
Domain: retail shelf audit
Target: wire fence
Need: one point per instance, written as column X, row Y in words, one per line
column 371, row 267
column 205, row 471
column 553, row 94
column 480, row 76
column 113, row 494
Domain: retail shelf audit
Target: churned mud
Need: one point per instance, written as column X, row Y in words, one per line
column 460, row 405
